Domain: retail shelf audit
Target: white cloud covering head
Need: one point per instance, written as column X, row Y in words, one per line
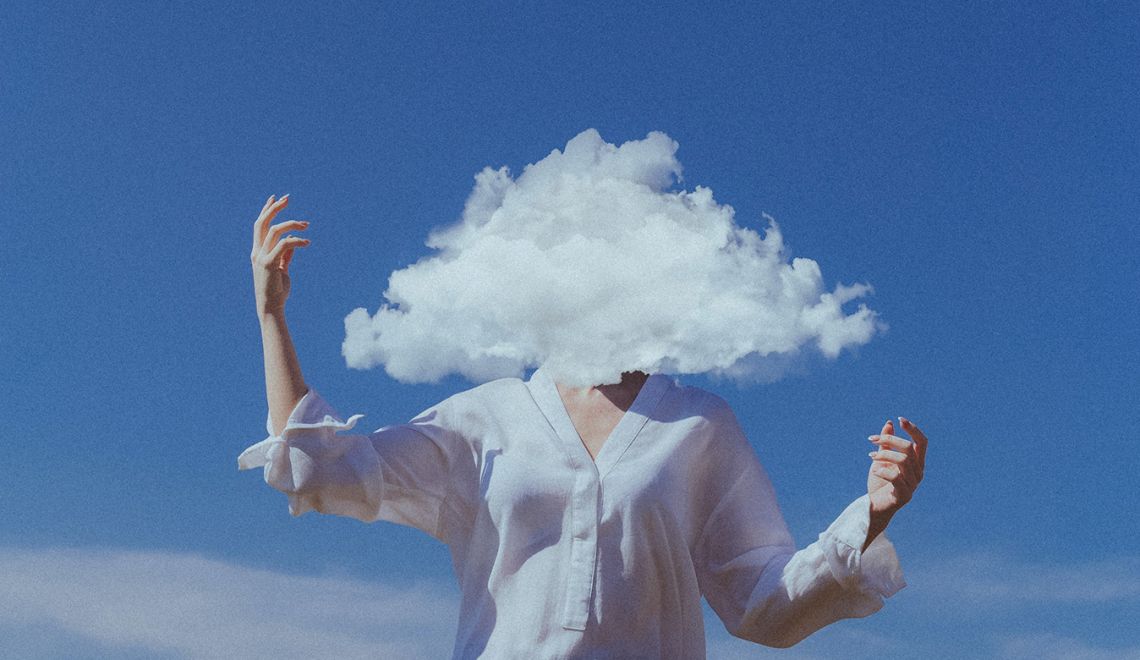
column 588, row 264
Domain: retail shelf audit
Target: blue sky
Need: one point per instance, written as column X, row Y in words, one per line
column 977, row 164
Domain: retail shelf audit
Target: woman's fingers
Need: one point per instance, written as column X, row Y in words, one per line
column 919, row 437
column 917, row 447
column 257, row 224
column 287, row 243
column 890, row 441
column 899, row 462
column 899, row 451
column 903, row 446
column 280, row 228
column 904, row 462
column 888, row 455
column 261, row 226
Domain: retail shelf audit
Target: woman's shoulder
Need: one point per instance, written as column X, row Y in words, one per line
column 489, row 398
column 471, row 413
column 709, row 418
column 699, row 401
column 492, row 390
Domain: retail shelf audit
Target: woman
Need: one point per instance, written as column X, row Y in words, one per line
column 582, row 523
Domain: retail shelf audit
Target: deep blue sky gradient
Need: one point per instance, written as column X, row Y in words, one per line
column 977, row 163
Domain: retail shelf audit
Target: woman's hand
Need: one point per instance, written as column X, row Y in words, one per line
column 896, row 469
column 271, row 255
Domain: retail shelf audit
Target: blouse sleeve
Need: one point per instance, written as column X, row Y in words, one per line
column 760, row 586
column 402, row 474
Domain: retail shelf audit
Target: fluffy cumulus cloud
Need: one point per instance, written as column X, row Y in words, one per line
column 590, row 263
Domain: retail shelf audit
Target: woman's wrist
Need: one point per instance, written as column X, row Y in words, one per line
column 878, row 523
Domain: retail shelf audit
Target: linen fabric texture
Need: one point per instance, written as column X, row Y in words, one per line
column 560, row 555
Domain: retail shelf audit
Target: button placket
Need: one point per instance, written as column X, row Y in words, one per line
column 583, row 549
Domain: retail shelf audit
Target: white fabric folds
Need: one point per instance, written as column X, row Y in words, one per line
column 317, row 469
column 563, row 555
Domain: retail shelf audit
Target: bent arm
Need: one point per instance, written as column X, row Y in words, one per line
column 749, row 570
column 776, row 596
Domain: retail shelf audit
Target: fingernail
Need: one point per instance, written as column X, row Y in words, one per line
column 285, row 196
column 873, row 438
column 872, row 453
column 904, row 421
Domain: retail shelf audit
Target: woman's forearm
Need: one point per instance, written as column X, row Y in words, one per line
column 284, row 384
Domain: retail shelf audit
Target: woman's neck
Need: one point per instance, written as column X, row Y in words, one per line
column 621, row 394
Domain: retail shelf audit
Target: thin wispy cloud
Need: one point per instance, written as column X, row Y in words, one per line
column 590, row 263
column 1051, row 646
column 158, row 604
column 64, row 602
column 991, row 579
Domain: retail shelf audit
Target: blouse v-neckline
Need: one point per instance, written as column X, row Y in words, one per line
column 546, row 396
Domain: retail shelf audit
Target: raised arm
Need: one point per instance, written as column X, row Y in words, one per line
column 270, row 257
column 419, row 474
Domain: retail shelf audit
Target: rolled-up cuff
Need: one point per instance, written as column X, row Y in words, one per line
column 318, row 469
column 877, row 570
column 311, row 412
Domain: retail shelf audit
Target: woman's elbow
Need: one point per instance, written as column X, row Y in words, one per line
column 775, row 634
column 771, row 639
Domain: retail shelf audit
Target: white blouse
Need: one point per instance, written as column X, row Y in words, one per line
column 559, row 555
